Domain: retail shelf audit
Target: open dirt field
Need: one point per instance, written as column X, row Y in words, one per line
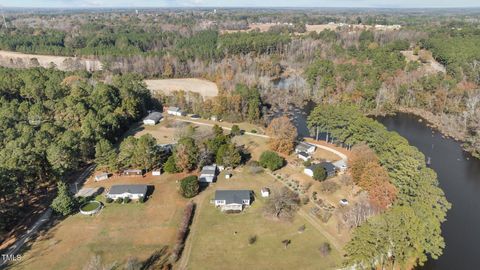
column 21, row 60
column 431, row 65
column 215, row 245
column 206, row 88
column 116, row 233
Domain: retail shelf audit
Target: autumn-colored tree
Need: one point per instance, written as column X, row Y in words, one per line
column 376, row 182
column 382, row 195
column 360, row 157
column 283, row 134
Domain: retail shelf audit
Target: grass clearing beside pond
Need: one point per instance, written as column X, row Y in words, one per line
column 216, row 246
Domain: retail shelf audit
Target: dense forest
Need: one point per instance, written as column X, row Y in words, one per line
column 51, row 122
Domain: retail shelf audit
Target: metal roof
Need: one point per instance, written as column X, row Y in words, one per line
column 132, row 189
column 155, row 116
column 233, row 196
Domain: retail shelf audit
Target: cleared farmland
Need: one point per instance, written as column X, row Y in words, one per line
column 205, row 88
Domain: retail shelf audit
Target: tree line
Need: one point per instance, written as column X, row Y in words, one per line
column 409, row 231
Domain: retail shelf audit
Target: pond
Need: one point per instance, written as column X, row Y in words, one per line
column 459, row 177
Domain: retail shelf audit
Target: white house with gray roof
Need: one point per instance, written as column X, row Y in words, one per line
column 152, row 119
column 305, row 147
column 133, row 192
column 234, row 200
column 175, row 111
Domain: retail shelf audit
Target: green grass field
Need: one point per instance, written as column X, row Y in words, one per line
column 215, row 245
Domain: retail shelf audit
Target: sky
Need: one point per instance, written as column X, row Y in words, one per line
column 240, row 3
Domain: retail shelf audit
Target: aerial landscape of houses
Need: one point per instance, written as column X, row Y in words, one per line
column 210, row 135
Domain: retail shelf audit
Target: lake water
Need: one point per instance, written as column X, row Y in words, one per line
column 459, row 177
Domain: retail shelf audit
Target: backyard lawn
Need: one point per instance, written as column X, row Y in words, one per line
column 221, row 241
column 118, row 232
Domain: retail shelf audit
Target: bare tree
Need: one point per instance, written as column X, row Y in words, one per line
column 283, row 204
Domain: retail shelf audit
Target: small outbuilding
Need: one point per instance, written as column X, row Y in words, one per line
column 304, row 156
column 152, row 119
column 175, row 111
column 133, row 192
column 101, row 177
column 208, row 174
column 305, row 147
column 234, row 200
column 341, row 165
column 265, row 192
column 156, row 172
column 133, row 172
column 343, row 202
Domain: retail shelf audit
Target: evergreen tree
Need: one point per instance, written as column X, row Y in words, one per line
column 64, row 203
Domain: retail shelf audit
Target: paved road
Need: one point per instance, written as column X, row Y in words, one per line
column 46, row 215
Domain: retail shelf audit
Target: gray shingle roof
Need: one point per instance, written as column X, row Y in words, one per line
column 233, row 196
column 155, row 116
column 132, row 189
column 329, row 167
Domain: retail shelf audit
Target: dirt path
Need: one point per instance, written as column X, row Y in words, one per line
column 183, row 263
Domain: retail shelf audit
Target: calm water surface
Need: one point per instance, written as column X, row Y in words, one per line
column 459, row 177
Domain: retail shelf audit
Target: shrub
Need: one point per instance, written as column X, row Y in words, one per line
column 126, row 200
column 271, row 160
column 141, row 199
column 119, row 200
column 109, row 200
column 235, row 130
column 319, row 173
column 302, row 228
column 329, row 187
column 189, row 186
column 307, row 163
column 252, row 239
column 254, row 167
column 253, row 131
column 325, row 249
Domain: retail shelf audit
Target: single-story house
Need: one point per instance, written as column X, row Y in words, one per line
column 101, row 177
column 303, row 156
column 232, row 199
column 152, row 119
column 133, row 172
column 265, row 192
column 208, row 174
column 329, row 169
column 341, row 165
column 305, row 147
column 175, row 111
column 133, row 192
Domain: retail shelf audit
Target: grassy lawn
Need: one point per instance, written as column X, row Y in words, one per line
column 216, row 246
column 118, row 232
